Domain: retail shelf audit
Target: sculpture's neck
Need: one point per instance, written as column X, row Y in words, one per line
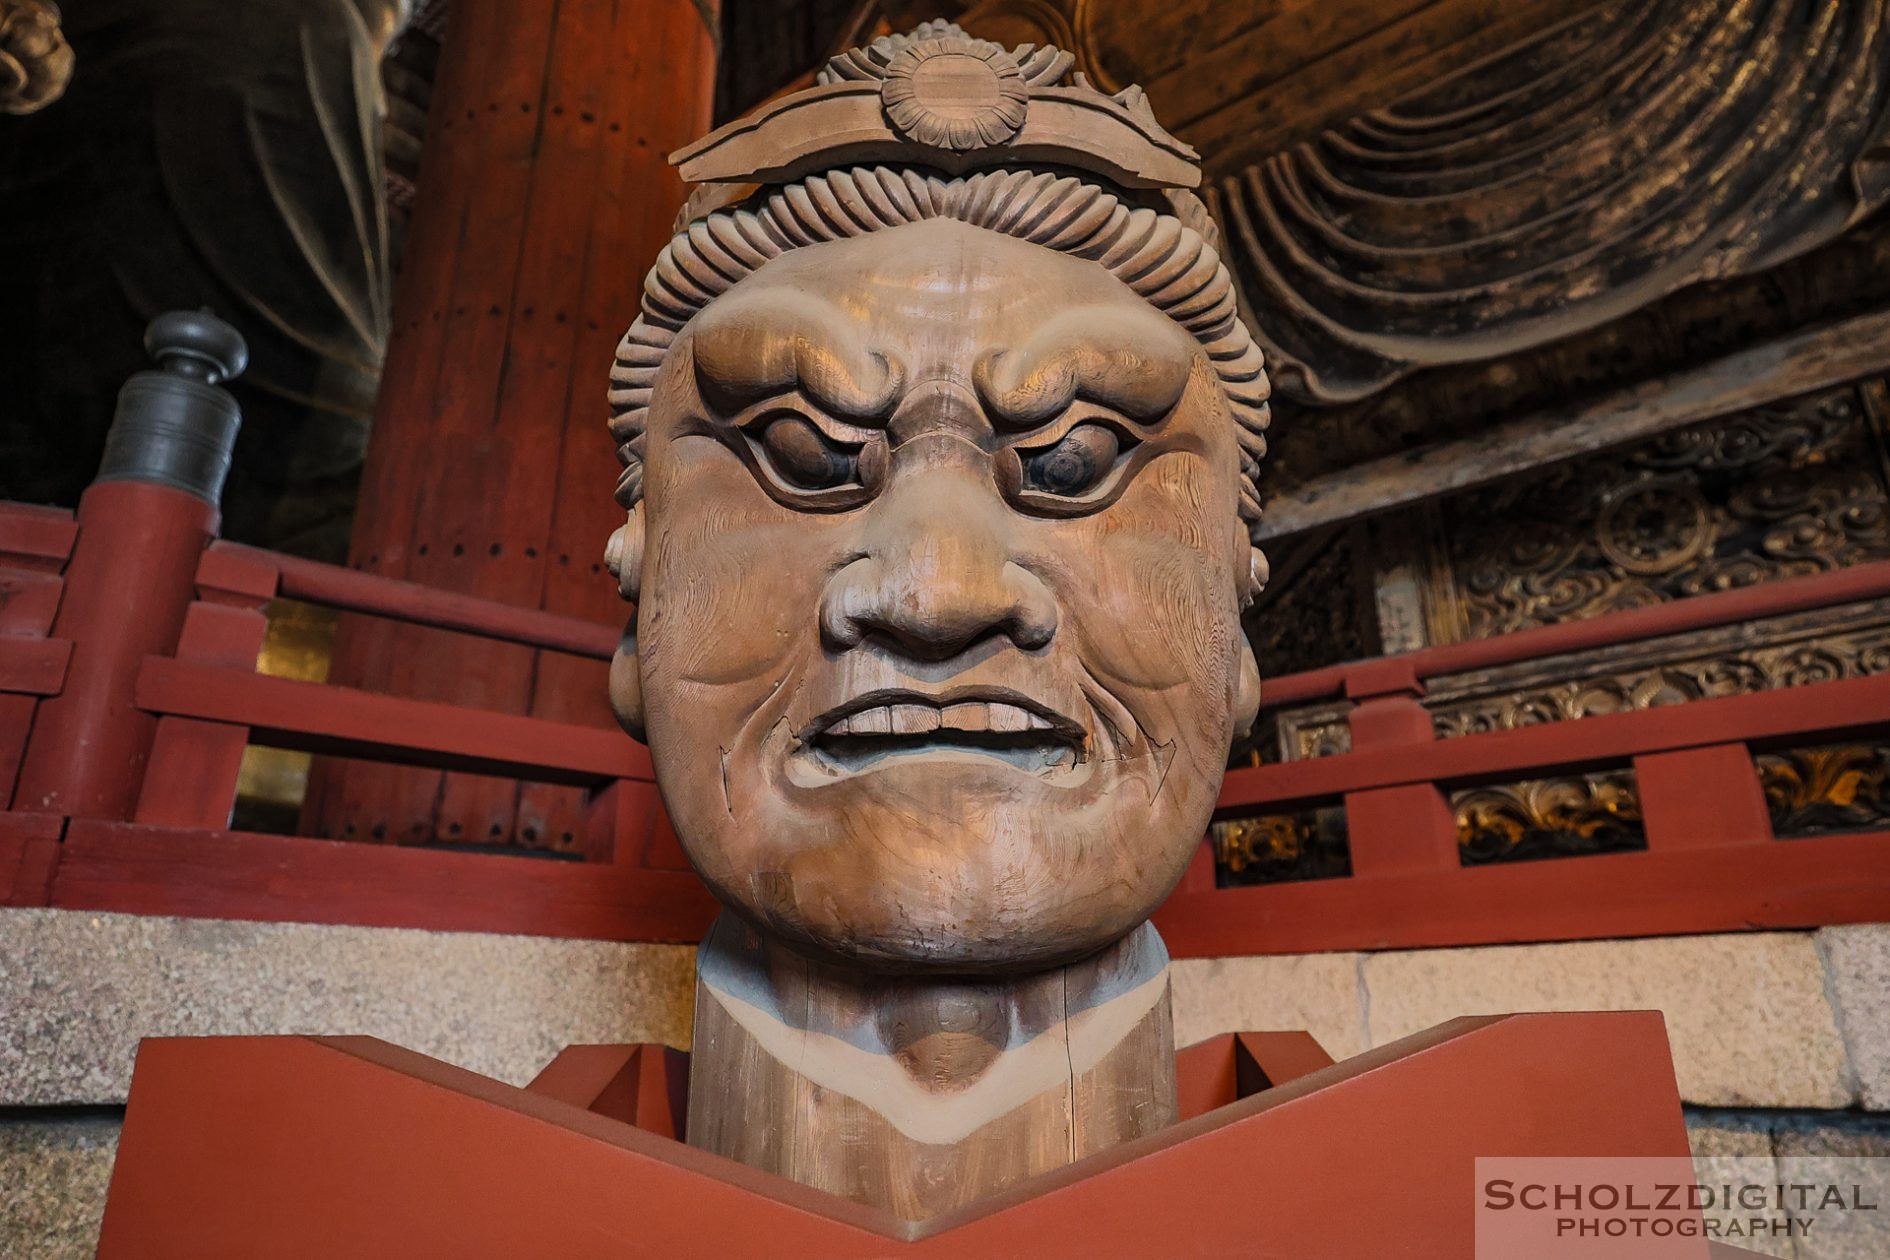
column 844, row 1078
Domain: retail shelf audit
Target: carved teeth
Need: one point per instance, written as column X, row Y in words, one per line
column 1008, row 717
column 914, row 719
column 872, row 722
column 970, row 716
column 919, row 719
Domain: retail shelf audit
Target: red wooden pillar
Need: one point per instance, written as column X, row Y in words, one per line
column 544, row 195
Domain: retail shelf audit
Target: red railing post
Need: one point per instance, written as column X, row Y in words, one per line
column 1394, row 830
column 192, row 776
column 35, row 543
column 143, row 524
column 1698, row 797
column 617, row 821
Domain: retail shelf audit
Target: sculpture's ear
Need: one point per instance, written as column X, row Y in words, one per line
column 1247, row 692
column 626, row 684
column 1247, row 698
column 623, row 556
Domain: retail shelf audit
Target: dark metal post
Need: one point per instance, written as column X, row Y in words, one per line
column 143, row 525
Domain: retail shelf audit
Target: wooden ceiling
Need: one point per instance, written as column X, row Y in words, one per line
column 1466, row 227
column 1241, row 81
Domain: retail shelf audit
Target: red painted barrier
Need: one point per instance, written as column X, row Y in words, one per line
column 352, row 591
column 129, row 779
column 304, row 1147
column 1712, row 863
column 127, row 585
column 138, row 821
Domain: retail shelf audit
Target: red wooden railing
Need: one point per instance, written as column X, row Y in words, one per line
column 158, row 734
column 169, row 849
column 1711, row 864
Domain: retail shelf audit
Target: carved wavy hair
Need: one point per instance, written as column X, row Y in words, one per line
column 1169, row 262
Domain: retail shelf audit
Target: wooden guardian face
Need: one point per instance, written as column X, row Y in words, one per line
column 937, row 647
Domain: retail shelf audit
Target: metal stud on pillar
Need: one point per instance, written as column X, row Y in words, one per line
column 143, row 525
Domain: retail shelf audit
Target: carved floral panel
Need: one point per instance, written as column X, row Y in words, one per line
column 1282, row 848
column 1788, row 489
column 1830, row 789
column 1569, row 816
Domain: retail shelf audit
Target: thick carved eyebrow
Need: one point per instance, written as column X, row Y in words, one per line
column 747, row 349
column 1133, row 361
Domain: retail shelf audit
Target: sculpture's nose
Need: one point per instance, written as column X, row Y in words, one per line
column 937, row 573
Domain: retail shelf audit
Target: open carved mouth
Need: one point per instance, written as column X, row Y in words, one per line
column 1010, row 728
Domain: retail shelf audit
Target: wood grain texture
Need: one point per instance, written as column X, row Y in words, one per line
column 924, row 1096
column 938, row 491
column 1240, row 81
column 940, row 456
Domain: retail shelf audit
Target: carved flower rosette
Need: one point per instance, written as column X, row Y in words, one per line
column 957, row 94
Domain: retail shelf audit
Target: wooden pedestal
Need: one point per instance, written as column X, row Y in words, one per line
column 346, row 1146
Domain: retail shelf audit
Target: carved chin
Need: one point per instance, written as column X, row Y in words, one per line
column 946, row 859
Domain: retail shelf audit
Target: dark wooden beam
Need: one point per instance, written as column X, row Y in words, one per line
column 1783, row 368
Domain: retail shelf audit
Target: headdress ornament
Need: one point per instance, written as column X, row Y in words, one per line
column 938, row 125
column 962, row 102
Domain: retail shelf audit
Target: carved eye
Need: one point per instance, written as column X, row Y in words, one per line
column 806, row 458
column 1075, row 464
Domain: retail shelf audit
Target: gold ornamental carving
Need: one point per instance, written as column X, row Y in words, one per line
column 1788, row 489
column 35, row 59
column 1543, row 818
column 1832, row 789
column 1282, row 848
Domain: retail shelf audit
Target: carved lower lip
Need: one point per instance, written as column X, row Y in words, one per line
column 897, row 727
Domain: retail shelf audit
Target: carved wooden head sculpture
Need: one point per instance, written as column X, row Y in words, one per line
column 940, row 430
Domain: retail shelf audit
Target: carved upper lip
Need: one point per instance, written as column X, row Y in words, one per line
column 977, row 709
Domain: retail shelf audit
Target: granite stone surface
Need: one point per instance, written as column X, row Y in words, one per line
column 78, row 989
column 1728, row 1137
column 1747, row 1013
column 1849, row 1154
column 1738, row 1148
column 1857, row 959
column 1315, row 992
column 53, row 1173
